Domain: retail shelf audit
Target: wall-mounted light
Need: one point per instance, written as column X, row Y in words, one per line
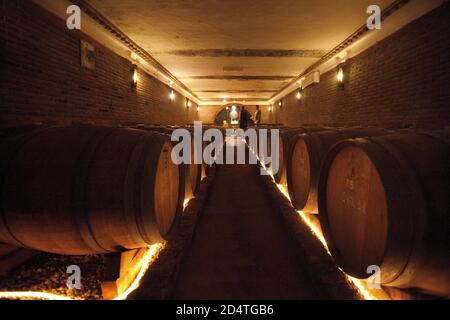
column 270, row 108
column 198, row 109
column 340, row 75
column 172, row 95
column 188, row 103
column 134, row 76
column 299, row 95
column 225, row 100
column 280, row 104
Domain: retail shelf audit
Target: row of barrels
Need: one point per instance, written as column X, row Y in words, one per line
column 193, row 172
column 382, row 198
column 87, row 189
column 205, row 167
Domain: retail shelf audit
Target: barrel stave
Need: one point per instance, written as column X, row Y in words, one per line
column 413, row 245
column 313, row 147
column 86, row 190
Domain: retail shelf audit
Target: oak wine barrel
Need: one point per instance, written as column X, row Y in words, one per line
column 285, row 142
column 257, row 149
column 384, row 201
column 306, row 157
column 193, row 172
column 88, row 190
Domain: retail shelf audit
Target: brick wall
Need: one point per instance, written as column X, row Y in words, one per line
column 403, row 81
column 42, row 79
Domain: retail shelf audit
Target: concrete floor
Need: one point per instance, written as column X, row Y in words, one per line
column 240, row 249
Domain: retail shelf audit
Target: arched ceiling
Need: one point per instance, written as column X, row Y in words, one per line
column 236, row 49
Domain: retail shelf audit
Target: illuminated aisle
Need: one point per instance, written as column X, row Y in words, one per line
column 240, row 249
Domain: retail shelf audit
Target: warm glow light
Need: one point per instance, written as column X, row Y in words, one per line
column 147, row 260
column 135, row 76
column 340, row 75
column 31, row 295
column 359, row 285
column 154, row 250
column 189, row 104
column 198, row 109
column 172, row 95
column 299, row 95
column 186, row 202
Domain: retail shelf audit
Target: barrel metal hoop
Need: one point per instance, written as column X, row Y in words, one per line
column 79, row 190
column 322, row 186
column 435, row 137
column 5, row 164
column 413, row 181
column 147, row 182
column 131, row 190
column 319, row 152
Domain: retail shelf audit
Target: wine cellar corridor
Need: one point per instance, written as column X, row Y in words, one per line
column 245, row 237
column 233, row 151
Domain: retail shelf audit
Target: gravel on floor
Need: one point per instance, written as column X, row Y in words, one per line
column 48, row 273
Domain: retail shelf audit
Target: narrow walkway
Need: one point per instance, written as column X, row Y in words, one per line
column 240, row 249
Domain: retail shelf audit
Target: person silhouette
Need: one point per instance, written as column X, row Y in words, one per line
column 244, row 119
column 257, row 117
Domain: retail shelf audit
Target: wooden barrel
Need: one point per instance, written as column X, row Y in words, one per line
column 385, row 201
column 86, row 190
column 18, row 130
column 193, row 172
column 264, row 156
column 307, row 154
column 285, row 142
column 216, row 153
column 259, row 134
column 206, row 167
